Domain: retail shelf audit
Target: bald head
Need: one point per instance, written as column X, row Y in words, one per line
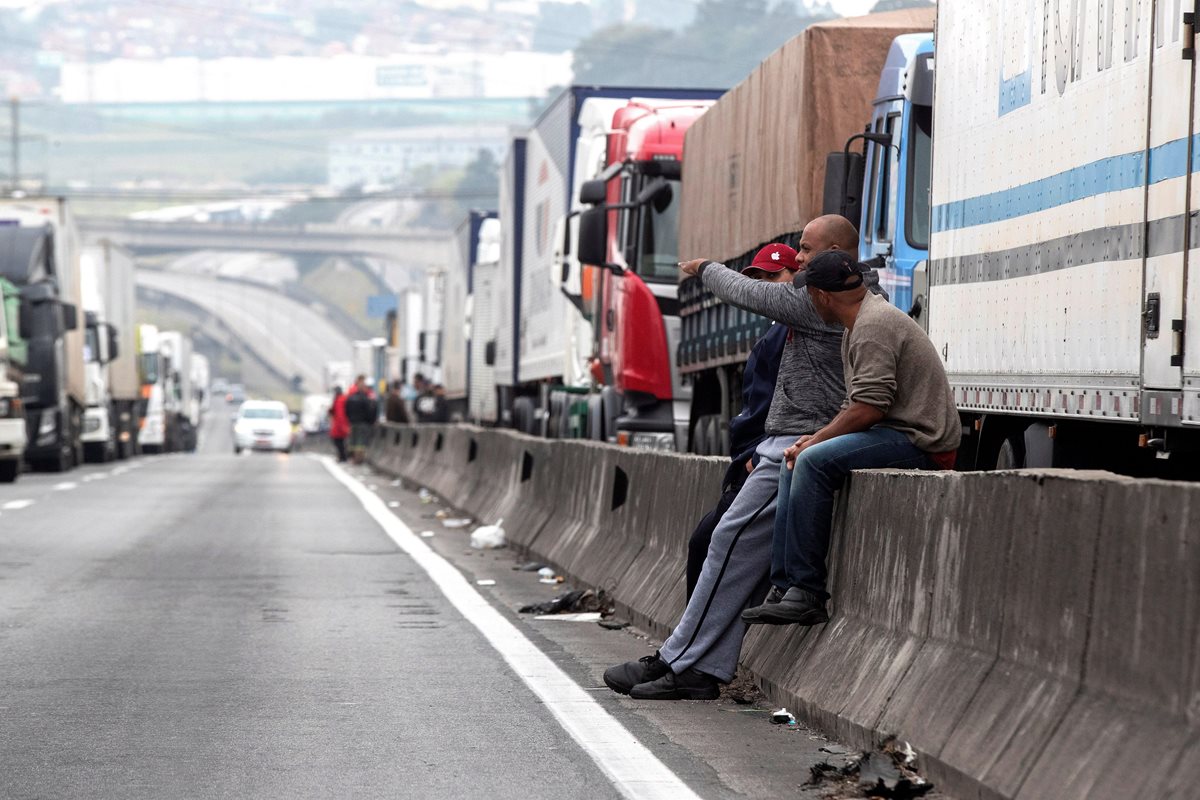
column 830, row 232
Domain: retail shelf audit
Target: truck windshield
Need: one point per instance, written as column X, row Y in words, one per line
column 659, row 257
column 916, row 212
column 91, row 344
column 149, row 364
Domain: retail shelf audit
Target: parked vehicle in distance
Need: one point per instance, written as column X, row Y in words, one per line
column 39, row 243
column 12, row 358
column 314, row 413
column 263, row 425
column 110, row 420
column 236, row 394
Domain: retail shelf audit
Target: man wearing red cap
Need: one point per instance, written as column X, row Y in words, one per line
column 702, row 651
column 775, row 263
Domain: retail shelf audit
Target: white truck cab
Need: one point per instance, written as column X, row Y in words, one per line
column 12, row 416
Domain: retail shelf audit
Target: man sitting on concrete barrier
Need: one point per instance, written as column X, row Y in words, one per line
column 702, row 652
column 899, row 412
column 775, row 263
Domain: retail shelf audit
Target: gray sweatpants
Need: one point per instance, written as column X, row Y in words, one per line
column 709, row 635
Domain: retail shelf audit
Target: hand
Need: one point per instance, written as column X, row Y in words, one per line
column 796, row 449
column 691, row 267
column 749, row 465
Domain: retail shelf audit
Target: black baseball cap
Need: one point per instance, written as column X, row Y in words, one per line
column 831, row 270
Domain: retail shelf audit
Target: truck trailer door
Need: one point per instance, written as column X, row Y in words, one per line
column 1190, row 318
column 1167, row 170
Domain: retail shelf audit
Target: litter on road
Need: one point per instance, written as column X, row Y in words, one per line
column 485, row 582
column 461, row 522
column 546, row 572
column 488, row 537
column 783, row 717
column 393, row 504
column 427, row 534
column 583, row 616
column 529, row 566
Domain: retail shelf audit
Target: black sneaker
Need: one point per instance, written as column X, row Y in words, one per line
column 624, row 677
column 751, row 615
column 796, row 607
column 687, row 685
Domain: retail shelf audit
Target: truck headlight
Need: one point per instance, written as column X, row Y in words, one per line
column 48, row 424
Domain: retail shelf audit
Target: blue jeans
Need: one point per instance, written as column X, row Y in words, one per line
column 805, row 513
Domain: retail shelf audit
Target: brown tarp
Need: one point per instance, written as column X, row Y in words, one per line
column 754, row 164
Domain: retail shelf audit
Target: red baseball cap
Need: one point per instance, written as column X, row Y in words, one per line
column 773, row 258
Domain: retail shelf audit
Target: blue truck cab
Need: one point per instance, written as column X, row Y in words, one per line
column 894, row 218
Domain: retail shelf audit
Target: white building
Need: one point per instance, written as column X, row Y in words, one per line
column 390, row 157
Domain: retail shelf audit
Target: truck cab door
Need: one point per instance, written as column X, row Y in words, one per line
column 1165, row 268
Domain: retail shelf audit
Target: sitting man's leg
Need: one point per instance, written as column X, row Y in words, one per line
column 798, row 568
column 702, row 652
column 701, row 538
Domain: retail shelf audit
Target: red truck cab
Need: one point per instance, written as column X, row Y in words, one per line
column 644, row 403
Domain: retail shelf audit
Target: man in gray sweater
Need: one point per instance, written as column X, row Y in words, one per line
column 898, row 412
column 702, row 652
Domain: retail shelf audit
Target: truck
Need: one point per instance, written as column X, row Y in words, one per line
column 153, row 434
column 180, row 411
column 338, row 374
column 13, row 354
column 743, row 191
column 1059, row 285
column 456, row 340
column 40, row 246
column 630, row 236
column 544, row 362
column 110, row 419
column 480, row 322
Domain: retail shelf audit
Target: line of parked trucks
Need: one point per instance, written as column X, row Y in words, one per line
column 1029, row 194
column 79, row 378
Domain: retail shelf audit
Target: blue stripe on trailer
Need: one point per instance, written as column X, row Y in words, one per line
column 1113, row 174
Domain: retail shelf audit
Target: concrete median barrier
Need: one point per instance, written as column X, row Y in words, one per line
column 1032, row 634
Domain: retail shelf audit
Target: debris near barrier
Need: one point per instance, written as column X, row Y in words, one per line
column 743, row 690
column 574, row 602
column 889, row 773
column 613, row 624
column 425, row 495
column 488, row 537
column 459, row 522
column 783, row 717
column 529, row 566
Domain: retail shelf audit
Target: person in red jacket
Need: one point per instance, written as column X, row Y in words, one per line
column 339, row 426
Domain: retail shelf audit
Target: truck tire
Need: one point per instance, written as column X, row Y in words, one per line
column 523, row 415
column 9, row 470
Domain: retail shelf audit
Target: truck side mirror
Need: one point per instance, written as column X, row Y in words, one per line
column 593, row 192
column 843, row 185
column 70, row 315
column 657, row 194
column 593, row 236
column 489, row 353
column 114, row 348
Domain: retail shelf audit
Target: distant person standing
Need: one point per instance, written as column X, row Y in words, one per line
column 363, row 411
column 432, row 406
column 339, row 424
column 395, row 410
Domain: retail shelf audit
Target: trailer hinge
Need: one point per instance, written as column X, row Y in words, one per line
column 1189, row 34
column 1177, row 328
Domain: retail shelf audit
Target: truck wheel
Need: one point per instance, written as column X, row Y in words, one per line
column 237, row 451
column 9, row 470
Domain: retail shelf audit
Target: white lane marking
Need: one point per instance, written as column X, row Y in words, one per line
column 65, row 486
column 16, row 505
column 634, row 771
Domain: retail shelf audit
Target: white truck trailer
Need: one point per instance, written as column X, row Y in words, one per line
column 457, row 344
column 1063, row 223
column 110, row 421
column 480, row 319
column 180, row 413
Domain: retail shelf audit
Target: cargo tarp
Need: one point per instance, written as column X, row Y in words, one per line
column 754, row 164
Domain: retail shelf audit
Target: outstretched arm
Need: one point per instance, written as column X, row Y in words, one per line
column 781, row 302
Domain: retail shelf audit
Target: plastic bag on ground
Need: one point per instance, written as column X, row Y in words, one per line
column 487, row 537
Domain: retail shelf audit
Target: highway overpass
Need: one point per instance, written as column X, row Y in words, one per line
column 412, row 248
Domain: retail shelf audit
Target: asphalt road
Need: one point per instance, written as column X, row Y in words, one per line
column 212, row 626
column 292, row 337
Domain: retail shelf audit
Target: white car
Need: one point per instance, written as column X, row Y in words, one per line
column 263, row 425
